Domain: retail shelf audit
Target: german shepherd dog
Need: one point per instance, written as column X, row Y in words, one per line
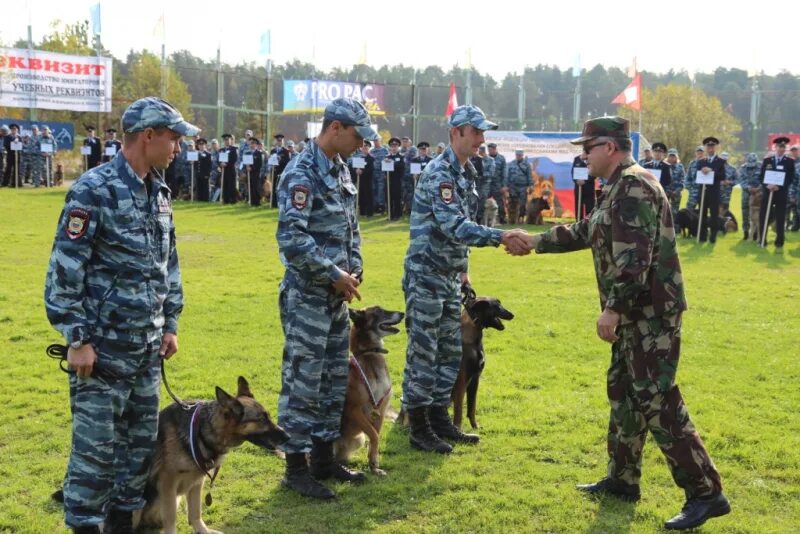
column 478, row 313
column 192, row 443
column 369, row 386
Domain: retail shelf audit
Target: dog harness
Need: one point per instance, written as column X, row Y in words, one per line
column 363, row 376
column 194, row 432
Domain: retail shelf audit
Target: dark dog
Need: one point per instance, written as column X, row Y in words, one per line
column 533, row 211
column 216, row 427
column 369, row 386
column 478, row 313
column 689, row 219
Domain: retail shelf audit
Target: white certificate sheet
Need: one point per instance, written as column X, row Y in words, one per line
column 387, row 165
column 580, row 173
column 704, row 178
column 774, row 177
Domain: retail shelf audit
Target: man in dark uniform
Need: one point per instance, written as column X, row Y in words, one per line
column 658, row 164
column 229, row 170
column 422, row 158
column 255, row 172
column 395, row 185
column 779, row 163
column 202, row 170
column 283, row 159
column 632, row 239
column 96, row 154
column 366, row 205
column 12, row 157
column 111, row 141
column 709, row 215
column 586, row 188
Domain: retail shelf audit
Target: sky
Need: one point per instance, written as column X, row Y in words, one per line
column 503, row 37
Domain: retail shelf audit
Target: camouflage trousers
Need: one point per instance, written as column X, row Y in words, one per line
column 517, row 200
column 644, row 397
column 746, row 210
column 379, row 188
column 114, row 429
column 408, row 192
column 433, row 325
column 314, row 372
column 497, row 193
column 694, row 196
column 675, row 205
column 484, row 186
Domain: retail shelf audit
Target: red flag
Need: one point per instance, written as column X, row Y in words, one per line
column 452, row 101
column 632, row 95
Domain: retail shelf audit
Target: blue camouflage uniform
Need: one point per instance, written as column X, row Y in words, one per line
column 484, row 181
column 442, row 230
column 675, row 188
column 691, row 185
column 30, row 153
column 731, row 176
column 749, row 176
column 318, row 238
column 114, row 281
column 498, row 182
column 45, row 160
column 518, row 179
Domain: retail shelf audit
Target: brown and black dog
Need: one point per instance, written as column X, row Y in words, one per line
column 369, row 386
column 478, row 313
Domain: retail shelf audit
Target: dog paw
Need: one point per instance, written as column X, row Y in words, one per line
column 378, row 472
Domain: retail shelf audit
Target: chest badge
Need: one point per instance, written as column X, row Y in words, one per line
column 299, row 197
column 446, row 192
column 77, row 223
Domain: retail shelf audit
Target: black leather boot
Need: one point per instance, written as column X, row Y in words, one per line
column 422, row 436
column 699, row 510
column 325, row 466
column 299, row 479
column 94, row 529
column 444, row 427
column 119, row 522
column 615, row 488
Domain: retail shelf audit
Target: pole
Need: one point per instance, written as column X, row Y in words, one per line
column 766, row 221
column 273, row 202
column 388, row 197
column 220, row 94
column 579, row 211
column 191, row 170
column 47, row 169
column 16, row 169
column 700, row 219
column 754, row 102
column 85, row 163
column 249, row 192
column 221, row 184
column 576, row 108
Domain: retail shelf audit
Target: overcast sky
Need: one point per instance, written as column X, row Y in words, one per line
column 503, row 36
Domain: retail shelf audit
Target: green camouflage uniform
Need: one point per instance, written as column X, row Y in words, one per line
column 632, row 238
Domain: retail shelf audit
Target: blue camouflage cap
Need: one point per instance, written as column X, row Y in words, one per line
column 470, row 115
column 751, row 158
column 351, row 113
column 152, row 112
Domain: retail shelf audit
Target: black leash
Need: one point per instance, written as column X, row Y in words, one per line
column 59, row 352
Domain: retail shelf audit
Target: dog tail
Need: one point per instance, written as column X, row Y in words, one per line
column 58, row 495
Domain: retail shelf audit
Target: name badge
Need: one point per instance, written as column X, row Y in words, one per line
column 779, row 167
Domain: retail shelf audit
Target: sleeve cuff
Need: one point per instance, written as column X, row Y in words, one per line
column 171, row 325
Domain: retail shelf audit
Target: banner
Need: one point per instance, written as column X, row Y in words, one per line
column 550, row 155
column 47, row 80
column 62, row 132
column 310, row 96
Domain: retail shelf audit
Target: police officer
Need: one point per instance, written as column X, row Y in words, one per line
column 642, row 298
column 254, row 172
column 691, row 176
column 395, row 184
column 111, row 142
column 794, row 190
column 320, row 246
column 422, row 158
column 709, row 216
column 228, row 170
column 442, row 230
column 45, row 162
column 31, row 151
column 378, row 153
column 113, row 290
column 202, row 170
column 95, row 155
column 283, row 160
column 749, row 177
column 658, row 164
column 12, row 156
column 498, row 180
column 779, row 163
column 517, row 182
column 648, row 157
column 363, row 179
column 3, row 134
column 586, row 188
column 484, row 165
column 675, row 188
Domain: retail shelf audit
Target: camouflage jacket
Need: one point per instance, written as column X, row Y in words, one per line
column 518, row 174
column 632, row 238
column 379, row 154
column 677, row 175
column 500, row 171
column 114, row 267
column 749, row 175
column 442, row 229
column 318, row 231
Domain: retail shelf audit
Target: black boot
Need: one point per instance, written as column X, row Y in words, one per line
column 421, row 435
column 94, row 529
column 300, row 480
column 119, row 522
column 615, row 488
column 444, row 427
column 325, row 466
column 699, row 510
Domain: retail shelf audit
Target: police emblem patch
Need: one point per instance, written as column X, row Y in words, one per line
column 77, row 223
column 446, row 192
column 299, row 197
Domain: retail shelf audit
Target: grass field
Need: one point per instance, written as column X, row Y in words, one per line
column 542, row 402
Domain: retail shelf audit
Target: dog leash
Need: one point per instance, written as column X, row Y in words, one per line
column 194, row 422
column 59, row 352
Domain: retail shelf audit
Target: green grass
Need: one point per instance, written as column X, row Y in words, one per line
column 542, row 402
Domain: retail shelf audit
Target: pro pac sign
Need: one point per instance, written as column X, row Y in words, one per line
column 308, row 96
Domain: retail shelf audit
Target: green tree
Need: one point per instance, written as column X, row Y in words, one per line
column 144, row 79
column 681, row 116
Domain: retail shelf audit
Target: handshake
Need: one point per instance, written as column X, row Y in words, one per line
column 518, row 242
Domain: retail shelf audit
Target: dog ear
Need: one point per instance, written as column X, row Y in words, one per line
column 229, row 403
column 244, row 388
column 355, row 315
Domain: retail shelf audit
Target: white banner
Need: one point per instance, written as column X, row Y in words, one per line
column 47, row 80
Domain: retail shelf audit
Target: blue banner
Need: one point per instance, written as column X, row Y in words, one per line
column 303, row 96
column 62, row 132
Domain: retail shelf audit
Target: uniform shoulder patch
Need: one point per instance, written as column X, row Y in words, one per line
column 446, row 192
column 77, row 223
column 300, row 197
